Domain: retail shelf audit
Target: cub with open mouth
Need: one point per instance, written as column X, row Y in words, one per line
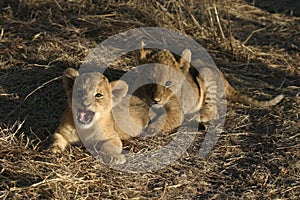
column 88, row 118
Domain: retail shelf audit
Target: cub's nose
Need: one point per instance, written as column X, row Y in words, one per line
column 156, row 100
column 85, row 103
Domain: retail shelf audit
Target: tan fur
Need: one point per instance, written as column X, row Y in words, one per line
column 178, row 99
column 92, row 93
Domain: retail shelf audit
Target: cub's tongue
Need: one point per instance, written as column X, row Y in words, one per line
column 84, row 116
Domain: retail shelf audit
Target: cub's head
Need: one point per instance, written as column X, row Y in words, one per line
column 93, row 96
column 165, row 72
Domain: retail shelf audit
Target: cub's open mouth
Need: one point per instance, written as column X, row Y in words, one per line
column 85, row 116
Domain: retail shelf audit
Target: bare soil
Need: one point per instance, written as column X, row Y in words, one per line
column 256, row 156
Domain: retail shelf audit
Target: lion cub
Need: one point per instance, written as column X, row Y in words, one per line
column 88, row 119
column 183, row 91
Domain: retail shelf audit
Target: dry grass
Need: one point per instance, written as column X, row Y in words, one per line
column 257, row 156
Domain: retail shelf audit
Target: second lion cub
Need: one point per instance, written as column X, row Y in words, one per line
column 183, row 91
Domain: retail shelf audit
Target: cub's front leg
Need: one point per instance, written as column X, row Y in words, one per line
column 65, row 134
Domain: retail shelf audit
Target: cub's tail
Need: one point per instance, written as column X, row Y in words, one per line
column 233, row 95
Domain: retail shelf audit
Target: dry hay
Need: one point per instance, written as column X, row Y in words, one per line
column 257, row 155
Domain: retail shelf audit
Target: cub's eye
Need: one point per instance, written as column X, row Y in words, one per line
column 98, row 95
column 168, row 83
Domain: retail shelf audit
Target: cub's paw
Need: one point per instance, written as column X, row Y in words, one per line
column 58, row 144
column 112, row 160
column 55, row 149
column 206, row 115
column 151, row 130
column 118, row 160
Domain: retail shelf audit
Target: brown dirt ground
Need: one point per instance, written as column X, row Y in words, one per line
column 257, row 155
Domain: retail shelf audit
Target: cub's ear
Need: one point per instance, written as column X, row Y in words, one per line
column 119, row 90
column 185, row 60
column 143, row 53
column 69, row 77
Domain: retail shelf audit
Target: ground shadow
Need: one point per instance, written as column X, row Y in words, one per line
column 289, row 7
